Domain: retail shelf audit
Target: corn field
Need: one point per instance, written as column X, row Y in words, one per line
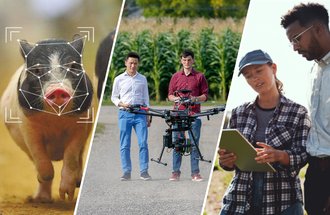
column 215, row 56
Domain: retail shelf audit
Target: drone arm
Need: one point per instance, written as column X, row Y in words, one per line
column 144, row 110
column 209, row 112
column 147, row 113
column 201, row 98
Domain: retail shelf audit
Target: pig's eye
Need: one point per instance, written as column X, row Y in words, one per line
column 36, row 71
column 75, row 67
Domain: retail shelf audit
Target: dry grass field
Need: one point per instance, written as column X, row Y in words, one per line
column 156, row 25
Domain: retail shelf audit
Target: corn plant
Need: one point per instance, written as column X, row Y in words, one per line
column 210, row 59
column 123, row 45
column 183, row 41
column 229, row 44
column 165, row 61
column 145, row 47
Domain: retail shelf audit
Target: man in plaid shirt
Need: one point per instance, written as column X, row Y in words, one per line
column 279, row 127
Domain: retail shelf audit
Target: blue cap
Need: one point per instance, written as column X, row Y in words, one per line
column 256, row 57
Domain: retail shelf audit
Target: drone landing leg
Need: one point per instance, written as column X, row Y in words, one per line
column 201, row 158
column 158, row 160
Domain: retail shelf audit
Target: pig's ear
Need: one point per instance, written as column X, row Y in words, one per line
column 25, row 47
column 78, row 43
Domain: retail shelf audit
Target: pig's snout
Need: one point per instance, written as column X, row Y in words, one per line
column 58, row 97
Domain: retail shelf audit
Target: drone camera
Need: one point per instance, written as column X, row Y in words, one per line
column 167, row 140
column 183, row 146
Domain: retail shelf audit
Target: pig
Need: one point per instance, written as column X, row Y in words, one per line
column 49, row 94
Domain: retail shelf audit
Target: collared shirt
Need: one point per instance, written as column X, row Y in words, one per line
column 195, row 81
column 318, row 143
column 287, row 130
column 130, row 89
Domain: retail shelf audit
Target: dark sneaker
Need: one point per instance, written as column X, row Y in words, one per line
column 197, row 177
column 126, row 177
column 145, row 176
column 175, row 176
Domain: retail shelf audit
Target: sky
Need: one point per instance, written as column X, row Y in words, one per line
column 262, row 30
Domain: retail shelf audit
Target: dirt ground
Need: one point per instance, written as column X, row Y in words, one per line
column 18, row 181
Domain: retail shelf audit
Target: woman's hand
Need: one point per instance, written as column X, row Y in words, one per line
column 226, row 159
column 269, row 154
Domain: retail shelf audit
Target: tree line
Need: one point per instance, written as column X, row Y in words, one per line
column 191, row 8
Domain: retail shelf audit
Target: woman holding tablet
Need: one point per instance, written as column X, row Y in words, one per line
column 278, row 128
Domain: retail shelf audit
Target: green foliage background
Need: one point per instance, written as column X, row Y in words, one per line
column 194, row 8
column 215, row 55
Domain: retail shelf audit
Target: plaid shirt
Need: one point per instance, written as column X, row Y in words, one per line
column 287, row 130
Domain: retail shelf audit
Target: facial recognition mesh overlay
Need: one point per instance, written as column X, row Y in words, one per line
column 54, row 80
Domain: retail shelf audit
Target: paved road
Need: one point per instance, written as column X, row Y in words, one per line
column 103, row 192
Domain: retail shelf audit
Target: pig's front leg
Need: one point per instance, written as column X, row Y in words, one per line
column 72, row 167
column 43, row 165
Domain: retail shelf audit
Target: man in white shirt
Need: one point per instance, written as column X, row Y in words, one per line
column 307, row 28
column 131, row 88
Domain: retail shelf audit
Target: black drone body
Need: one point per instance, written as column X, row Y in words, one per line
column 177, row 121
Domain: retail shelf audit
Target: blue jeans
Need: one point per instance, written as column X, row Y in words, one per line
column 127, row 121
column 295, row 209
column 258, row 183
column 177, row 158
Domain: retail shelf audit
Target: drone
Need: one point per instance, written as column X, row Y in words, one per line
column 178, row 120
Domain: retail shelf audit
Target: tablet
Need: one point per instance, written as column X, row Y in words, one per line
column 233, row 141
